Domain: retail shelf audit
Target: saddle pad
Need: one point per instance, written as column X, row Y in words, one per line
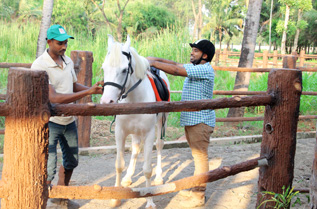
column 159, row 86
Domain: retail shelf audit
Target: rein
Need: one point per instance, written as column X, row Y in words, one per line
column 122, row 87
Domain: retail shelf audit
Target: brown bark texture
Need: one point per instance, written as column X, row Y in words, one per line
column 313, row 180
column 156, row 107
column 279, row 132
column 99, row 192
column 26, row 140
column 83, row 68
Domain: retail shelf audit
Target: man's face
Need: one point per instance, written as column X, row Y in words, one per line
column 195, row 55
column 58, row 48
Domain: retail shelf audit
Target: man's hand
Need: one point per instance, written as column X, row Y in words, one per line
column 96, row 88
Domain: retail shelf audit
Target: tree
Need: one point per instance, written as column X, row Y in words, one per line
column 198, row 20
column 303, row 5
column 247, row 51
column 45, row 24
column 225, row 19
column 119, row 16
column 288, row 4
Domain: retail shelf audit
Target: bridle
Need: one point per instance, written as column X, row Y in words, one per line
column 122, row 87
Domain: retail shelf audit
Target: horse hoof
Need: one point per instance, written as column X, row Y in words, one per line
column 158, row 181
column 150, row 206
column 115, row 203
column 126, row 182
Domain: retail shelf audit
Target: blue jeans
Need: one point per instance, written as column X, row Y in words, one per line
column 67, row 137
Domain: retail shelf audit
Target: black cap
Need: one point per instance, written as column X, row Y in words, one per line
column 206, row 47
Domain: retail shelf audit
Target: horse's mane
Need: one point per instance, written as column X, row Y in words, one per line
column 141, row 64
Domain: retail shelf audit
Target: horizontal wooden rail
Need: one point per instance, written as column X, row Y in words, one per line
column 259, row 70
column 246, row 92
column 4, row 109
column 99, row 192
column 8, row 65
column 3, row 96
column 156, row 107
column 240, row 119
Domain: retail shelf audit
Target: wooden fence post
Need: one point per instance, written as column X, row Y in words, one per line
column 313, row 179
column 275, row 58
column 217, row 57
column 83, row 67
column 26, row 140
column 265, row 58
column 301, row 58
column 279, row 132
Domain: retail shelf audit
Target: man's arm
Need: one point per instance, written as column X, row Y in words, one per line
column 80, row 91
column 168, row 66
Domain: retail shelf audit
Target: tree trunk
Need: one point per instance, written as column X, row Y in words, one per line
column 196, row 20
column 297, row 31
column 247, row 53
column 45, row 24
column 283, row 45
column 200, row 26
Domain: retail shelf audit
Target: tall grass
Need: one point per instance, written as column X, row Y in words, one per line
column 18, row 44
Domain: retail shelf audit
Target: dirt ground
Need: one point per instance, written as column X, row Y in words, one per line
column 235, row 192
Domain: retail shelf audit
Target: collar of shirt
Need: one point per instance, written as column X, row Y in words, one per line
column 51, row 63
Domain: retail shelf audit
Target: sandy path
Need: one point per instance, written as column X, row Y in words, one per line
column 233, row 192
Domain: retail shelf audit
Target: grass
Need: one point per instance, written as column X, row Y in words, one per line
column 18, row 44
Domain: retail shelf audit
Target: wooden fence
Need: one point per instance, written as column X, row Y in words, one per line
column 267, row 59
column 83, row 67
column 27, row 111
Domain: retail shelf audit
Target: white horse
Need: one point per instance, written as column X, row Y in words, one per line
column 126, row 81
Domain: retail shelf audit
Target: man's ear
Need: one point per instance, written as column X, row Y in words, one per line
column 205, row 56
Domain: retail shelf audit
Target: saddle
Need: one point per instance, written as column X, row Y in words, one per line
column 159, row 86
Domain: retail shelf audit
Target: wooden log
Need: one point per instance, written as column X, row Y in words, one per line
column 8, row 65
column 99, row 192
column 307, row 69
column 26, row 140
column 301, row 58
column 289, row 62
column 265, row 58
column 2, row 131
column 313, row 179
column 3, row 96
column 243, row 69
column 217, row 57
column 156, row 107
column 219, row 92
column 83, row 68
column 4, row 109
column 275, row 58
column 279, row 132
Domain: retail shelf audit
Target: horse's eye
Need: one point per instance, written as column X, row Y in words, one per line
column 124, row 70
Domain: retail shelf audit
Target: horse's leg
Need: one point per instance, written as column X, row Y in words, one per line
column 159, row 146
column 120, row 144
column 126, row 181
column 147, row 167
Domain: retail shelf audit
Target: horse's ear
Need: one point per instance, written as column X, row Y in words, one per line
column 127, row 44
column 110, row 40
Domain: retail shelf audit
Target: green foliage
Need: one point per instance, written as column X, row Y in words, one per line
column 282, row 200
column 150, row 18
column 70, row 13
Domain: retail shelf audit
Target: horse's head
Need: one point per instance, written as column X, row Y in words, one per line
column 123, row 68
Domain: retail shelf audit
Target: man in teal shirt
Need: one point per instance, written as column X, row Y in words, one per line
column 199, row 125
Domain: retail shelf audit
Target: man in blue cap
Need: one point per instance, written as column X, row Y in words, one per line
column 199, row 125
column 63, row 88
